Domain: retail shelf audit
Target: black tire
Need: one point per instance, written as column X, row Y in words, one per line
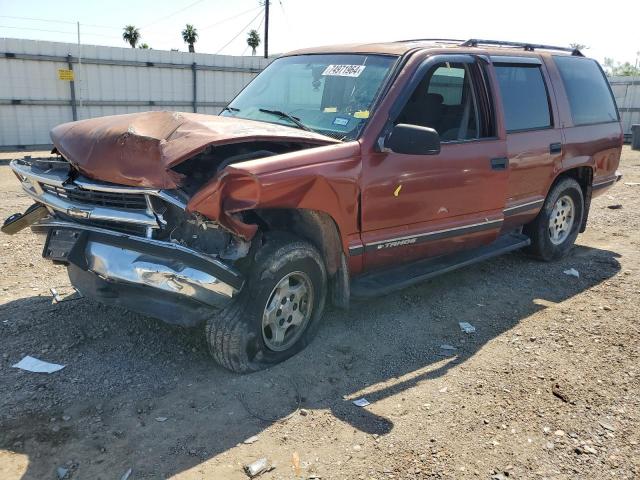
column 538, row 230
column 235, row 334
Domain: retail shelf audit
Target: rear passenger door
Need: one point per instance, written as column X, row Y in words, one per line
column 534, row 137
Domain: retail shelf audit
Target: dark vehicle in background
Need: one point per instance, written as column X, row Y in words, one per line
column 339, row 172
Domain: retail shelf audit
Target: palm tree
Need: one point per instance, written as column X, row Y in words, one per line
column 253, row 40
column 131, row 35
column 190, row 35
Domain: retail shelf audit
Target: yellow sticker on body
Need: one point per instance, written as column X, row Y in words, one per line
column 397, row 191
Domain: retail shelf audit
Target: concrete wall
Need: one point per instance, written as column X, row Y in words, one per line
column 108, row 81
column 627, row 93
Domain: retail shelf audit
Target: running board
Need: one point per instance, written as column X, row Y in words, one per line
column 385, row 281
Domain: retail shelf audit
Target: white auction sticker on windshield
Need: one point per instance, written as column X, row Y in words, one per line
column 344, row 70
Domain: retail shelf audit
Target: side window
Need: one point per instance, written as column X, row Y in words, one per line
column 524, row 97
column 446, row 100
column 589, row 96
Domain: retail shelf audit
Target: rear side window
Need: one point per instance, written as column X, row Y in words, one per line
column 589, row 96
column 524, row 97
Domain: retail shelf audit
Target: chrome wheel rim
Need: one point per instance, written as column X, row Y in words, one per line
column 561, row 220
column 287, row 311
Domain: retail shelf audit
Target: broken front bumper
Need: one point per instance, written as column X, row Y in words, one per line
column 155, row 277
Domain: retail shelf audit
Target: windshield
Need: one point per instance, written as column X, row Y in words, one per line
column 329, row 94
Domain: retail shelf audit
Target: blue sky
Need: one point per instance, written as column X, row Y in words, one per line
column 610, row 30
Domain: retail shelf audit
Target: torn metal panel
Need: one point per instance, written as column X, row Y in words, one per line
column 325, row 180
column 139, row 149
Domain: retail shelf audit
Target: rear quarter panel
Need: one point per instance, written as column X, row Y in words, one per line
column 598, row 146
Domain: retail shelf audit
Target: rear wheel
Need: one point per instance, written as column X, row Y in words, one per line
column 278, row 311
column 554, row 230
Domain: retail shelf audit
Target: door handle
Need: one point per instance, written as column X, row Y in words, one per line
column 500, row 163
column 555, row 148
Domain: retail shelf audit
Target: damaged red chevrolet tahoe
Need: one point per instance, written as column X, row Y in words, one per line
column 338, row 172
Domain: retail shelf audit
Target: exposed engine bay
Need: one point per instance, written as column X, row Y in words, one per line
column 201, row 168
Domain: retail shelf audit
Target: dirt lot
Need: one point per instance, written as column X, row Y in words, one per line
column 139, row 394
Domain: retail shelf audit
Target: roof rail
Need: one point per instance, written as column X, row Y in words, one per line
column 436, row 40
column 529, row 47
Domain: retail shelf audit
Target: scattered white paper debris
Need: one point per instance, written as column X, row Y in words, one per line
column 126, row 474
column 256, row 468
column 251, row 440
column 572, row 272
column 443, row 390
column 56, row 296
column 632, row 184
column 361, row 402
column 445, row 346
column 161, row 419
column 31, row 364
column 467, row 327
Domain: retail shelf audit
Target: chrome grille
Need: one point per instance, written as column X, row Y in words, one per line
column 128, row 228
column 127, row 201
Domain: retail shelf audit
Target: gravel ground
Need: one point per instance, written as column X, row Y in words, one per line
column 547, row 387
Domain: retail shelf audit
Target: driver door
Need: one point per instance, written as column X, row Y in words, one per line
column 417, row 206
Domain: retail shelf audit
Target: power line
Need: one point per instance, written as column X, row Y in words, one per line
column 38, row 29
column 230, row 18
column 241, row 31
column 174, row 13
column 66, row 32
column 35, row 19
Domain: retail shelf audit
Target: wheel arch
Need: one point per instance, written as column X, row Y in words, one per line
column 322, row 231
column 582, row 174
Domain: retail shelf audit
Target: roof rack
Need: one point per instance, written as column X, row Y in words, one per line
column 437, row 40
column 529, row 47
column 474, row 42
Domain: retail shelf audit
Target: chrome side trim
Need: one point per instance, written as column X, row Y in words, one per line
column 426, row 236
column 435, row 232
column 535, row 202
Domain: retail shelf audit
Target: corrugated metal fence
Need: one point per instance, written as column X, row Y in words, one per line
column 627, row 93
column 34, row 96
column 36, row 93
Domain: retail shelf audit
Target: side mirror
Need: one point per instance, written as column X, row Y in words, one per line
column 413, row 140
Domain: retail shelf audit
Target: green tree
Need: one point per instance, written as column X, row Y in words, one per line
column 578, row 46
column 190, row 35
column 625, row 69
column 144, row 46
column 253, row 40
column 131, row 35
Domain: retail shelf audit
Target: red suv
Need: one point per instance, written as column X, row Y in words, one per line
column 338, row 172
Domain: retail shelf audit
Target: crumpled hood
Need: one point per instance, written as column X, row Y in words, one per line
column 139, row 149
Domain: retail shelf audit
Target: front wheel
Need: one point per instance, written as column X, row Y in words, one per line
column 556, row 227
column 278, row 311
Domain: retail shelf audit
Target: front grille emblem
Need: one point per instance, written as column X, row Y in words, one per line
column 78, row 212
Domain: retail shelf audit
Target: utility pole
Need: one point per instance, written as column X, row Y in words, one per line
column 79, row 65
column 266, row 28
